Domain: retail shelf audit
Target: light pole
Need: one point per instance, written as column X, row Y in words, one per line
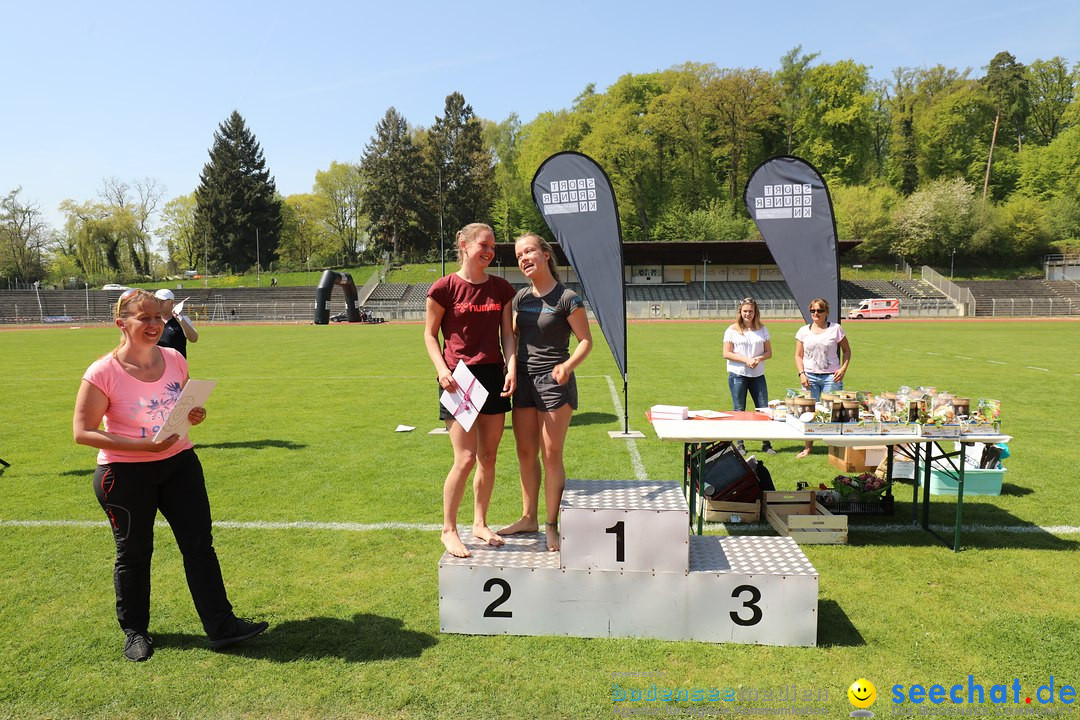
column 258, row 262
column 952, row 263
column 704, row 274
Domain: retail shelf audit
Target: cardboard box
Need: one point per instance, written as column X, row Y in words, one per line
column 800, row 516
column 951, row 430
column 896, row 428
column 731, row 512
column 860, row 459
column 866, row 427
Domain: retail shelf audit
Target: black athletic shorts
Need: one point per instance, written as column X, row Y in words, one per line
column 491, row 376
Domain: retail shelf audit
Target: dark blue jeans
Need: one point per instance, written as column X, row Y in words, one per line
column 740, row 385
column 131, row 494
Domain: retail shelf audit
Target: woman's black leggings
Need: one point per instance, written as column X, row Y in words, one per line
column 131, row 495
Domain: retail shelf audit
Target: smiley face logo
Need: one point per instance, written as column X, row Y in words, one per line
column 862, row 693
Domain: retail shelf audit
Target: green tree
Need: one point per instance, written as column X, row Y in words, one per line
column 24, row 235
column 462, row 166
column 953, row 132
column 182, row 243
column 307, row 239
column 342, row 189
column 792, row 79
column 394, row 200
column 238, row 212
column 1053, row 88
column 834, row 128
column 902, row 100
column 864, row 212
column 1052, row 170
column 741, row 103
column 935, row 220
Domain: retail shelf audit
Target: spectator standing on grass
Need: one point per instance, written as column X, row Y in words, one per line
column 471, row 309
column 178, row 327
column 545, row 315
column 130, row 392
column 822, row 355
column 747, row 346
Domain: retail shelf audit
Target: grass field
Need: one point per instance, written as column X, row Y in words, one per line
column 301, row 430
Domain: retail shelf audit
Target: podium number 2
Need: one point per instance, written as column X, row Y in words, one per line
column 490, row 610
column 755, row 611
column 620, row 541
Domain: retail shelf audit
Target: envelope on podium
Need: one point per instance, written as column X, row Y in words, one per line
column 465, row 404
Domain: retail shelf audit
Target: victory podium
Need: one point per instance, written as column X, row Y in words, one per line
column 629, row 567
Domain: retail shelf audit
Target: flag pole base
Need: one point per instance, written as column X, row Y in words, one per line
column 619, row 434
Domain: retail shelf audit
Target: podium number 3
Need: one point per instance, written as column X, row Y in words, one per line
column 620, row 541
column 490, row 610
column 755, row 611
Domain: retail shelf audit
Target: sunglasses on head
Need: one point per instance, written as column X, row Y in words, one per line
column 744, row 301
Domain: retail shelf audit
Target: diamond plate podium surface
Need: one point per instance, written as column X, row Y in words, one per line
column 736, row 589
column 629, row 525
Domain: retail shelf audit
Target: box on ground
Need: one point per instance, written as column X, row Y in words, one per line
column 801, row 517
column 976, row 482
column 856, row 459
column 730, row 512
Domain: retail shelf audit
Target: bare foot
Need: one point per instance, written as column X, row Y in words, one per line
column 485, row 535
column 552, row 532
column 454, row 546
column 523, row 525
column 803, row 453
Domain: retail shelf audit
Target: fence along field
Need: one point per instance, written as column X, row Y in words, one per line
column 303, row 469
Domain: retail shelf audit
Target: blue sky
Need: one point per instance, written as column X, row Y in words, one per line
column 133, row 90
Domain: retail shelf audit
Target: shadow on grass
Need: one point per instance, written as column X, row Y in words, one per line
column 834, row 627
column 362, row 639
column 592, row 418
column 984, row 526
column 253, row 444
column 1015, row 490
column 78, row 473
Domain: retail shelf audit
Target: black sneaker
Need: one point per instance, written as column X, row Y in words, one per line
column 767, row 448
column 138, row 647
column 237, row 630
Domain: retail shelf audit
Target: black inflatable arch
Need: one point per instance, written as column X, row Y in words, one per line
column 322, row 297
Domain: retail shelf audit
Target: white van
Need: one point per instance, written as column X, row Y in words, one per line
column 884, row 308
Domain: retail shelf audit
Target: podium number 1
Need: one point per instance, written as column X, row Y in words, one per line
column 620, row 541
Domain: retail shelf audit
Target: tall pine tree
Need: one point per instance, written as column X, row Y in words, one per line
column 237, row 208
column 393, row 197
column 462, row 166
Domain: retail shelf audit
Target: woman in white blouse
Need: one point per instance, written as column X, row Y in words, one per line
column 746, row 347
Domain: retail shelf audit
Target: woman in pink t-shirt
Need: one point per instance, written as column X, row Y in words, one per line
column 122, row 402
column 472, row 311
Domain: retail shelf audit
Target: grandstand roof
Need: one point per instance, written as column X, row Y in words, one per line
column 748, row 252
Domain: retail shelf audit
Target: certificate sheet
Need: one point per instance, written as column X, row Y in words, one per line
column 465, row 404
column 193, row 395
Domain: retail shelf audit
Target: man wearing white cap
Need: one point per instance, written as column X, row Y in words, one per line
column 178, row 328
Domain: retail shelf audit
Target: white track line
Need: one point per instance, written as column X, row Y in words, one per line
column 1032, row 367
column 631, row 445
column 428, row 527
column 996, row 362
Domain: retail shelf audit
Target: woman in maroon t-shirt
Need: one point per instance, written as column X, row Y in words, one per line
column 472, row 311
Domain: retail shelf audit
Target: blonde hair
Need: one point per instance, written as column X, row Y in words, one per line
column 467, row 236
column 545, row 247
column 134, row 296
column 740, row 324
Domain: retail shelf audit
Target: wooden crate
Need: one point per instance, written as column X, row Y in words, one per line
column 800, row 516
column 856, row 459
column 721, row 511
